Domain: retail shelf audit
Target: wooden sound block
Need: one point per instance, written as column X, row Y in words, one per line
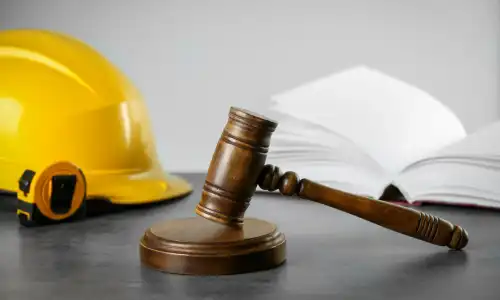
column 197, row 246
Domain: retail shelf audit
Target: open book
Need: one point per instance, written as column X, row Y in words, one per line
column 367, row 133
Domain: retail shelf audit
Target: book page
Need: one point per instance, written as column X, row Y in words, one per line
column 322, row 155
column 482, row 144
column 317, row 140
column 466, row 172
column 393, row 122
column 452, row 182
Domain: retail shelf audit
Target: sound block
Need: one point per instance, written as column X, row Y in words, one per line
column 197, row 246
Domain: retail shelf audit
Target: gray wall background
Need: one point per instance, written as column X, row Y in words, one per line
column 194, row 59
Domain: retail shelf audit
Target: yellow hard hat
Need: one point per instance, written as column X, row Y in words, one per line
column 61, row 101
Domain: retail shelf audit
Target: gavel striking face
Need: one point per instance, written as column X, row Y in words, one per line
column 238, row 166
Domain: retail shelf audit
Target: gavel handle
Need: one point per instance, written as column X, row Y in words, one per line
column 397, row 218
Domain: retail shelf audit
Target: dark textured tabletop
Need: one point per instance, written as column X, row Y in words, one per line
column 331, row 255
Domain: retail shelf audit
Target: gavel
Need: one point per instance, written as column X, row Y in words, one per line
column 224, row 241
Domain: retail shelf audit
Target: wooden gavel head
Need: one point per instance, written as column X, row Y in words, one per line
column 236, row 165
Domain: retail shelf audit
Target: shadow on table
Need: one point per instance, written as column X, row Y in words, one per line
column 408, row 279
column 255, row 285
column 418, row 278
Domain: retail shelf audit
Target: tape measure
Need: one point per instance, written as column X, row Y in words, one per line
column 54, row 195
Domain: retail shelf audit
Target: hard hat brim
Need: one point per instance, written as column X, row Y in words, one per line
column 135, row 189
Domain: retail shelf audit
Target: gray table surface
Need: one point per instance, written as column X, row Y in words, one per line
column 331, row 255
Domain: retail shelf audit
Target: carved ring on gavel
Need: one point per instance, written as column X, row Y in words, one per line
column 220, row 239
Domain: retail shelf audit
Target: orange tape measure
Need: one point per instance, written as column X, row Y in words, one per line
column 55, row 194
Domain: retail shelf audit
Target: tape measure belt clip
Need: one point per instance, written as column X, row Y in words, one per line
column 63, row 190
column 25, row 181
